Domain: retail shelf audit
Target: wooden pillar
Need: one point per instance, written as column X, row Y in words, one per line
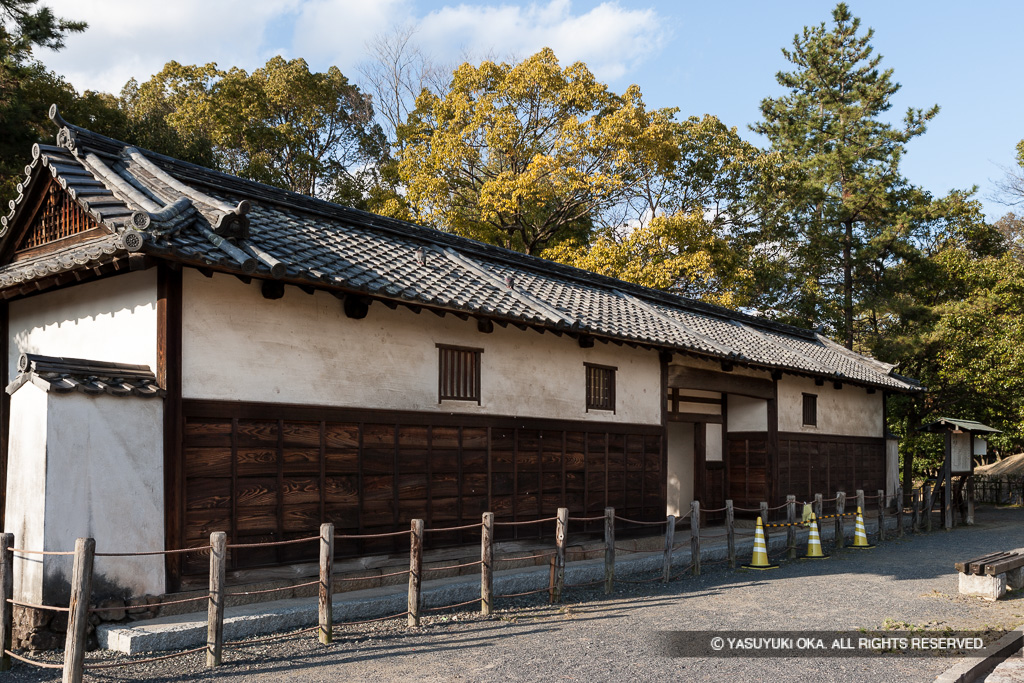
column 947, row 496
column 487, row 564
column 561, row 532
column 7, row 589
column 215, row 610
column 730, row 533
column 860, row 501
column 78, row 615
column 899, row 512
column 764, row 521
column 881, row 515
column 695, row 537
column 670, row 536
column 415, row 571
column 926, row 508
column 609, row 549
column 970, row 500
column 816, row 506
column 915, row 510
column 326, row 594
column 840, row 539
column 791, row 529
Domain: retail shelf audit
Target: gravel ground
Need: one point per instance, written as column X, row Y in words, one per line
column 908, row 584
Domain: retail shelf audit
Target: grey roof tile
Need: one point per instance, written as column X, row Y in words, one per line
column 322, row 243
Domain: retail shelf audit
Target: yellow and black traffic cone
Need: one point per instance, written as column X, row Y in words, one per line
column 760, row 558
column 814, row 542
column 860, row 536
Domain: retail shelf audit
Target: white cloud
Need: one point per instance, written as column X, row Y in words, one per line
column 135, row 38
column 612, row 40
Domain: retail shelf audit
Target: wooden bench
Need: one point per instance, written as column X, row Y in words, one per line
column 989, row 576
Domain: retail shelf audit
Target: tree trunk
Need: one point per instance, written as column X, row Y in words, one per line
column 848, row 283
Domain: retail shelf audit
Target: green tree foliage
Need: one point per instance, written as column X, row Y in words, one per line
column 845, row 201
column 526, row 155
column 24, row 80
column 282, row 124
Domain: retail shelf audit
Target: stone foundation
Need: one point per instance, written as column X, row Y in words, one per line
column 988, row 587
column 36, row 629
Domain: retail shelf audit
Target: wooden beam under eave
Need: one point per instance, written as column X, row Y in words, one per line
column 682, row 377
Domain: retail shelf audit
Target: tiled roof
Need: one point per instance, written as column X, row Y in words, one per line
column 170, row 209
column 65, row 375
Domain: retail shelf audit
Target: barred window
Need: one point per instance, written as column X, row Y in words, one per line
column 600, row 387
column 811, row 410
column 458, row 373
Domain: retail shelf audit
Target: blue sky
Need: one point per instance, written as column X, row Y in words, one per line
column 708, row 57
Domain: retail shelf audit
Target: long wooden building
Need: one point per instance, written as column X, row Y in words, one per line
column 188, row 351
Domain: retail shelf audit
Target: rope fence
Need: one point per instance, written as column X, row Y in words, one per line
column 81, row 589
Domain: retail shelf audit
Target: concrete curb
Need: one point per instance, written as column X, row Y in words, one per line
column 189, row 630
column 976, row 668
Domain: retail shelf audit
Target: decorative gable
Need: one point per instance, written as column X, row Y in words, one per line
column 57, row 218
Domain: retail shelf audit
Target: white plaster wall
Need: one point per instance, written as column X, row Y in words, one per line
column 113, row 319
column 850, row 411
column 747, row 414
column 26, row 488
column 680, row 468
column 302, row 349
column 105, row 480
column 713, row 451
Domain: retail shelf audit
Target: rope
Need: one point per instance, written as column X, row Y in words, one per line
column 364, row 578
column 516, row 595
column 528, row 521
column 33, row 662
column 456, row 528
column 370, row 621
column 267, row 639
column 274, row 543
column 527, row 557
column 41, row 552
column 779, row 507
column 89, row 665
column 349, row 537
column 201, row 548
column 586, row 519
column 178, row 602
column 34, row 606
column 454, row 566
column 274, row 590
column 630, row 550
column 458, row 604
column 634, row 521
column 584, row 585
column 713, row 509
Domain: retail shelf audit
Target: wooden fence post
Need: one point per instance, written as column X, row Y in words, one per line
column 415, row 570
column 487, row 563
column 899, row 512
column 882, row 504
column 670, row 539
column 860, row 500
column 926, row 508
column 609, row 549
column 764, row 521
column 78, row 616
column 695, row 537
column 817, row 505
column 730, row 533
column 326, row 583
column 561, row 531
column 7, row 588
column 840, row 539
column 215, row 611
column 791, row 529
column 915, row 512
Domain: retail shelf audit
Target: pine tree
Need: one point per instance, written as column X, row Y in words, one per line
column 844, row 192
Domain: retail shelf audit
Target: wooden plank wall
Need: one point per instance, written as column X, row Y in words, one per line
column 747, row 469
column 827, row 464
column 262, row 473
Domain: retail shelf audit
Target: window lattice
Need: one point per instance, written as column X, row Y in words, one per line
column 600, row 387
column 60, row 217
column 458, row 374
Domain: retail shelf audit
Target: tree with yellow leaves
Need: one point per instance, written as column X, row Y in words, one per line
column 527, row 155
